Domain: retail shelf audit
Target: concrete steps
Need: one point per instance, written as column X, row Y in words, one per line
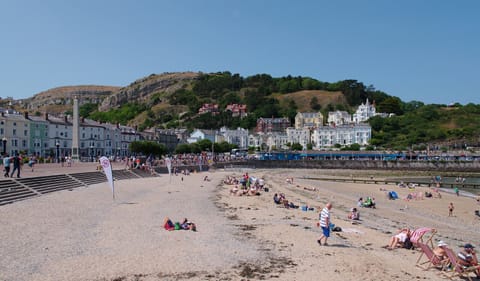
column 16, row 189
column 142, row 173
column 11, row 191
column 49, row 184
column 124, row 175
column 89, row 178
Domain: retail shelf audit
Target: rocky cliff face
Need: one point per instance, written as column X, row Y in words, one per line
column 62, row 96
column 142, row 89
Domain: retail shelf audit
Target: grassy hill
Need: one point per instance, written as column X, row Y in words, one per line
column 303, row 98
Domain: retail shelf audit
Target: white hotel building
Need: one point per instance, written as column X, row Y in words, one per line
column 326, row 136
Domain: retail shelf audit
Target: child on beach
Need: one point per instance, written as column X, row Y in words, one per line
column 354, row 214
column 450, row 209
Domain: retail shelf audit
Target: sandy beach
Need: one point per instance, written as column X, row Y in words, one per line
column 84, row 235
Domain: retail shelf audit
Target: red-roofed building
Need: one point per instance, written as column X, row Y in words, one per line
column 237, row 109
column 209, row 108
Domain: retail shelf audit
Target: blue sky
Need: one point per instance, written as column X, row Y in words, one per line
column 425, row 50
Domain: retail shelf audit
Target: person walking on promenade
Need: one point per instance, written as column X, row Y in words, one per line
column 324, row 223
column 450, row 209
column 31, row 161
column 6, row 165
column 16, row 165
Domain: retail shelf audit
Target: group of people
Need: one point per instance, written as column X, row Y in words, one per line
column 368, row 202
column 249, row 185
column 466, row 257
column 15, row 162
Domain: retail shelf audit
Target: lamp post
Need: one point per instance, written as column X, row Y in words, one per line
column 91, row 153
column 58, row 151
column 4, row 141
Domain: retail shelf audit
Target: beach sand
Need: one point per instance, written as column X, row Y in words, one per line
column 84, row 235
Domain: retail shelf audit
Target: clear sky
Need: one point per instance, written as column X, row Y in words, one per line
column 424, row 50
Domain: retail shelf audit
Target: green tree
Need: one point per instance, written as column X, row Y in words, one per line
column 182, row 148
column 148, row 148
column 86, row 109
column 391, row 105
column 205, row 145
column 314, row 104
column 296, row 146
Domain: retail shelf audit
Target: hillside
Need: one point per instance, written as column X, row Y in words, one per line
column 143, row 89
column 58, row 100
column 171, row 100
column 303, row 98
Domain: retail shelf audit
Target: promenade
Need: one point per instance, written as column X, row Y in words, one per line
column 49, row 169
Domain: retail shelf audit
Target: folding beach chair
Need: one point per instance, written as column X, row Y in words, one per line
column 430, row 260
column 417, row 236
column 458, row 269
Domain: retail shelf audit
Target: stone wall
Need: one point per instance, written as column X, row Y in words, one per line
column 446, row 166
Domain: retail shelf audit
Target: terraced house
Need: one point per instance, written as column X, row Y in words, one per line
column 51, row 136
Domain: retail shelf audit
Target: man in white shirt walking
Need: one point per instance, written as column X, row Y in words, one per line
column 324, row 223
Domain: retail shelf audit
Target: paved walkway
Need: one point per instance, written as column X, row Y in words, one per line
column 57, row 169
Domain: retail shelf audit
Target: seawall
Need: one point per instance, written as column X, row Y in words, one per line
column 443, row 166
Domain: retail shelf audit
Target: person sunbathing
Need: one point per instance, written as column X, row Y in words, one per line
column 253, row 190
column 188, row 225
column 468, row 257
column 168, row 224
column 440, row 252
column 399, row 238
column 369, row 203
column 276, row 199
column 354, row 214
column 234, row 190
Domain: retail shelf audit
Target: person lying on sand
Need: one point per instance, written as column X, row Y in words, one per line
column 399, row 238
column 308, row 188
column 188, row 225
column 168, row 224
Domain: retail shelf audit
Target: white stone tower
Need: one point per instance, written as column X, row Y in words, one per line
column 75, row 134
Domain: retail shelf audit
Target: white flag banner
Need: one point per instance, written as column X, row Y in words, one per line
column 107, row 168
column 168, row 162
